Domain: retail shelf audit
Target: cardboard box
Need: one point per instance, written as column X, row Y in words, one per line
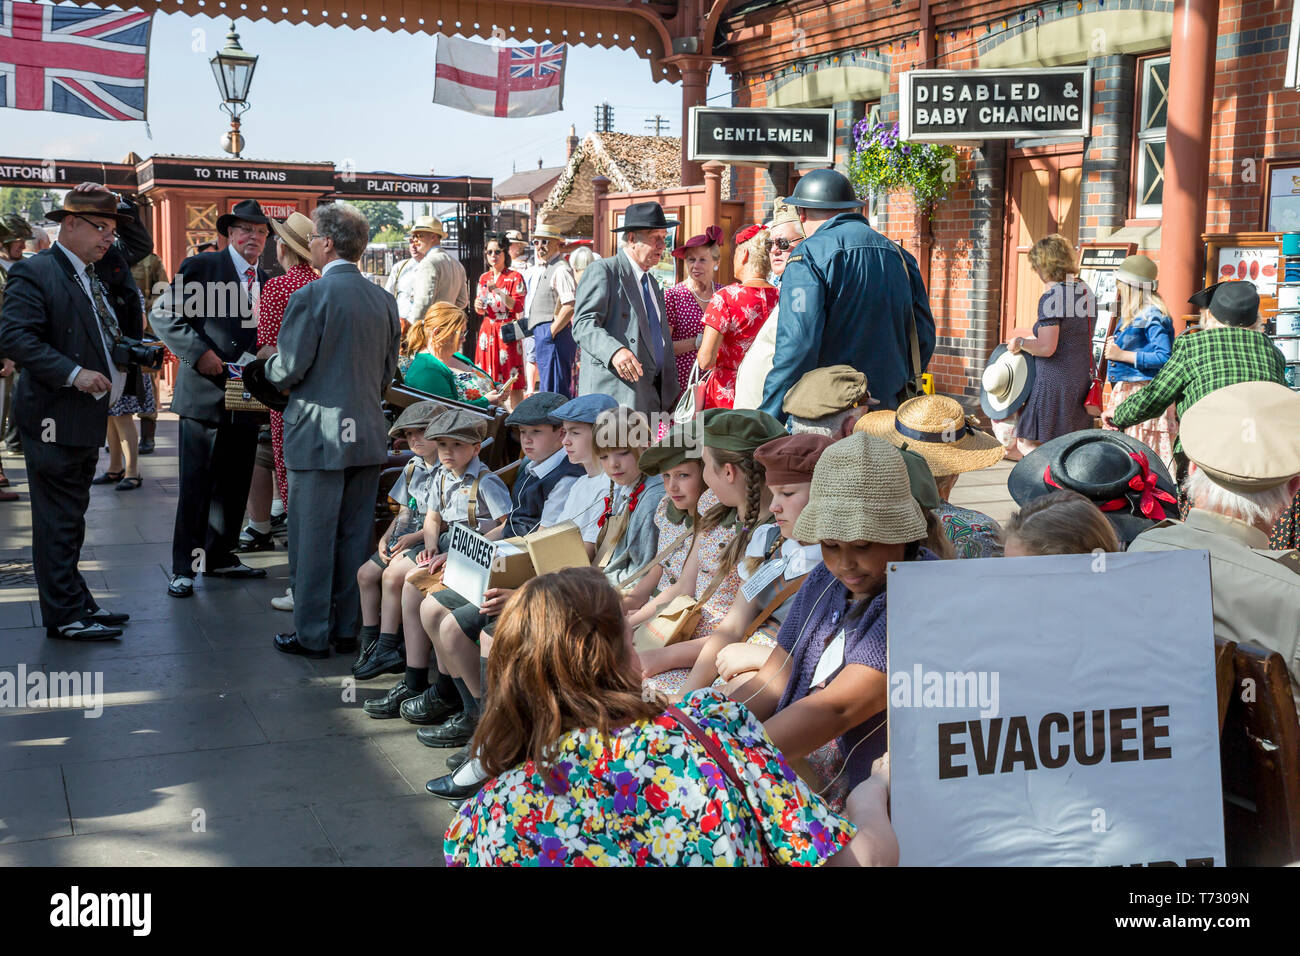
column 475, row 563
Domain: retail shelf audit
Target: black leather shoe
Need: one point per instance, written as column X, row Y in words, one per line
column 85, row 630
column 382, row 662
column 447, row 788
column 368, row 646
column 343, row 645
column 454, row 733
column 288, row 643
column 181, row 586
column 240, row 570
column 146, row 446
column 389, row 706
column 103, row 616
column 457, row 760
column 428, row 708
column 254, row 542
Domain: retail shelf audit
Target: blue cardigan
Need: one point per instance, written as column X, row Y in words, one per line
column 1151, row 336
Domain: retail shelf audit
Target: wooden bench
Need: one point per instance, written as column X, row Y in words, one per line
column 1259, row 752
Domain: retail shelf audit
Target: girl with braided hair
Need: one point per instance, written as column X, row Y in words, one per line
column 731, row 511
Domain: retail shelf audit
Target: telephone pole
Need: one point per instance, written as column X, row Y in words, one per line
column 659, row 123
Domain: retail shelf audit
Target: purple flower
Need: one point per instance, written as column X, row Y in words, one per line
column 822, row 839
column 625, row 792
column 553, row 852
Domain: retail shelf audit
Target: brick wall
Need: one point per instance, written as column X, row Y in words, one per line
column 1108, row 152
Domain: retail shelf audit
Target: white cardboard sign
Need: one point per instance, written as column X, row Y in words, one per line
column 1054, row 710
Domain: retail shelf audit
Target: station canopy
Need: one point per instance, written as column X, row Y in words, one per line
column 621, row 24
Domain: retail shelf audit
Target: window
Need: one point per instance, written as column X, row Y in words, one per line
column 874, row 205
column 1153, row 111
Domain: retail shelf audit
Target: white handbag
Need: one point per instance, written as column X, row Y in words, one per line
column 691, row 402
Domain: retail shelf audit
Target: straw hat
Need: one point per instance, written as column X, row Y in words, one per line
column 294, row 231
column 427, row 224
column 544, row 230
column 1006, row 383
column 860, row 492
column 936, row 428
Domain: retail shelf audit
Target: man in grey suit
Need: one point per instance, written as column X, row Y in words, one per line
column 337, row 353
column 620, row 322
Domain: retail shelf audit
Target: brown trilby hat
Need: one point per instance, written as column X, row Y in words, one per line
column 295, row 232
column 861, row 492
column 90, row 204
column 937, row 428
column 1246, row 437
column 825, row 391
column 791, row 460
column 457, row 424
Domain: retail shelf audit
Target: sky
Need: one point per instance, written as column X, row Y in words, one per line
column 335, row 94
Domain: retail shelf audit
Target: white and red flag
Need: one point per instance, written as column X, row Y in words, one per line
column 78, row 60
column 499, row 80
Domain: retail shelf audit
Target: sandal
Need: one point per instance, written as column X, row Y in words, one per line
column 108, row 477
column 129, row 484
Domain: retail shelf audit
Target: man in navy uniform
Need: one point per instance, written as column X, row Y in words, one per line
column 848, row 296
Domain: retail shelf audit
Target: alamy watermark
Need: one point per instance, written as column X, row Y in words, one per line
column 73, row 690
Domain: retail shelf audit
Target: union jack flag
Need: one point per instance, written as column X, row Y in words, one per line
column 539, row 60
column 77, row 60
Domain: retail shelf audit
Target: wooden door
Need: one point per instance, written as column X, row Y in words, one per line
column 1042, row 199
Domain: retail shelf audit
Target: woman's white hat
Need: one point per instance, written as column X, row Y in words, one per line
column 1006, row 383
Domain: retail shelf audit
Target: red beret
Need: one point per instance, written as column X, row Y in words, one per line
column 790, row 460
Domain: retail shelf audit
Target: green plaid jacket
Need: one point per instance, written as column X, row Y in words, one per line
column 1200, row 363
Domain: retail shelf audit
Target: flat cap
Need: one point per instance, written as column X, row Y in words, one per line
column 458, row 424
column 418, row 415
column 826, row 391
column 790, row 460
column 1246, row 437
column 536, row 409
column 740, row 430
column 584, row 408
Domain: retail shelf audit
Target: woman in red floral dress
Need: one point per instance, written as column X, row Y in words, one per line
column 500, row 300
column 735, row 315
column 291, row 251
column 685, row 301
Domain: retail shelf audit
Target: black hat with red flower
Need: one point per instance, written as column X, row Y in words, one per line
column 1119, row 474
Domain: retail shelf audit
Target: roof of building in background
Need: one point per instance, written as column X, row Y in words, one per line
column 526, row 183
column 629, row 162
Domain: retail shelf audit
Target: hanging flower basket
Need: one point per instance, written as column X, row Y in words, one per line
column 882, row 163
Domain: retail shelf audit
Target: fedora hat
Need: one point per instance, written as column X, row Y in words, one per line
column 1137, row 271
column 1119, row 474
column 644, row 215
column 97, row 203
column 295, row 231
column 249, row 210
column 544, row 230
column 936, row 428
column 258, row 387
column 427, row 224
column 1202, row 299
column 1006, row 383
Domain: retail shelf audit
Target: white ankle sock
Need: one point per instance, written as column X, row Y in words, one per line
column 471, row 771
column 277, row 508
column 261, row 527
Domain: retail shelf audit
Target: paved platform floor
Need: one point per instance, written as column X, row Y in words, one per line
column 212, row 748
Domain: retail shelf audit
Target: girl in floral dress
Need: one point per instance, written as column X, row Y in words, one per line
column 500, row 300
column 686, row 301
column 731, row 512
column 588, row 772
column 735, row 315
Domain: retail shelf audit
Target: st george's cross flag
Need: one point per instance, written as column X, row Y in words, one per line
column 78, row 60
column 499, row 80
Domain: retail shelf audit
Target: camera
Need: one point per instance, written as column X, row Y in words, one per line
column 147, row 353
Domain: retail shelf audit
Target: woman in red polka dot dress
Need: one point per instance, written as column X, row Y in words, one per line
column 291, row 250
